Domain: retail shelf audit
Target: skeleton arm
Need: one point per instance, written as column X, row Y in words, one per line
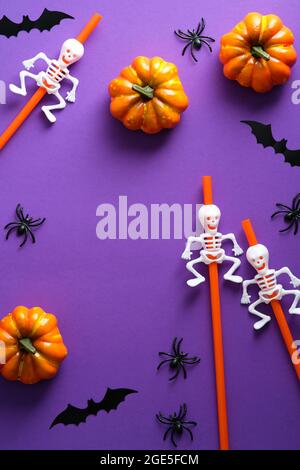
column 71, row 95
column 246, row 297
column 187, row 252
column 294, row 280
column 237, row 250
column 28, row 64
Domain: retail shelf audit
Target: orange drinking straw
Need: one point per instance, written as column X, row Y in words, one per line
column 40, row 93
column 217, row 334
column 275, row 304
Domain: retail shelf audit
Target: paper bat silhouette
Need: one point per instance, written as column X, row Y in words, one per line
column 46, row 21
column 73, row 415
column 264, row 136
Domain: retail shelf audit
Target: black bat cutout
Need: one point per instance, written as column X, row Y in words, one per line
column 264, row 136
column 73, row 415
column 46, row 21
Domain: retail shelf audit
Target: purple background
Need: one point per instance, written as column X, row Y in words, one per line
column 120, row 301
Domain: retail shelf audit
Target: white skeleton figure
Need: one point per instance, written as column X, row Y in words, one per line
column 71, row 51
column 211, row 241
column 266, row 279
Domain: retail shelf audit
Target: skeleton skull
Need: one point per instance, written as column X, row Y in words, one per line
column 71, row 51
column 258, row 257
column 209, row 216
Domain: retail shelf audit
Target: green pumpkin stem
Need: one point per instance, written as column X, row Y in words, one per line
column 259, row 53
column 146, row 91
column 27, row 345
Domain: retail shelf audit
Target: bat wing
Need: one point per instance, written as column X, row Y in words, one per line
column 8, row 28
column 71, row 415
column 47, row 20
column 292, row 157
column 111, row 401
column 262, row 132
column 113, row 397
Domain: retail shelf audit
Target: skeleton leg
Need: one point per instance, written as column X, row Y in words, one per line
column 48, row 109
column 229, row 275
column 22, row 89
column 293, row 308
column 264, row 318
column 198, row 277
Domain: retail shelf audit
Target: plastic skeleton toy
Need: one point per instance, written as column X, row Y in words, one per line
column 211, row 241
column 266, row 279
column 71, row 51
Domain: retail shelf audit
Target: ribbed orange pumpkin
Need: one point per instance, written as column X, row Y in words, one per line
column 148, row 95
column 258, row 52
column 33, row 345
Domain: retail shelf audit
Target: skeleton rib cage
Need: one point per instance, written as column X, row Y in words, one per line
column 212, row 242
column 267, row 282
column 55, row 73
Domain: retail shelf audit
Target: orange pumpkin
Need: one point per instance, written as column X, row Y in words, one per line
column 258, row 52
column 148, row 95
column 33, row 345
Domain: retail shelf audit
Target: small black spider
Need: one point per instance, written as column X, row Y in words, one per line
column 291, row 214
column 23, row 225
column 178, row 359
column 176, row 423
column 194, row 39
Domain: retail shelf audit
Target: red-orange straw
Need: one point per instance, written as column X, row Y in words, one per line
column 217, row 335
column 275, row 304
column 40, row 93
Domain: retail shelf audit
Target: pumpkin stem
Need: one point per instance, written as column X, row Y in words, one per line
column 27, row 345
column 259, row 53
column 146, row 91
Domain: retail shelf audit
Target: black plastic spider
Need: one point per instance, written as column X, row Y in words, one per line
column 195, row 39
column 291, row 214
column 176, row 423
column 178, row 359
column 23, row 225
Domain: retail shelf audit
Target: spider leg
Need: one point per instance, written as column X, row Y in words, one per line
column 207, row 43
column 296, row 201
column 286, row 229
column 193, row 423
column 25, row 239
column 31, row 234
column 174, row 349
column 11, row 223
column 39, row 220
column 162, row 419
column 191, row 360
column 10, row 230
column 290, row 209
column 181, row 34
column 176, row 374
column 208, row 38
column 166, row 354
column 192, row 54
column 37, row 224
column 184, row 411
column 296, row 227
column 279, row 212
column 178, row 347
column 19, row 213
column 189, row 431
column 163, row 362
column 172, row 439
column 201, row 27
column 167, row 432
column 180, row 412
column 184, row 371
column 185, row 47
